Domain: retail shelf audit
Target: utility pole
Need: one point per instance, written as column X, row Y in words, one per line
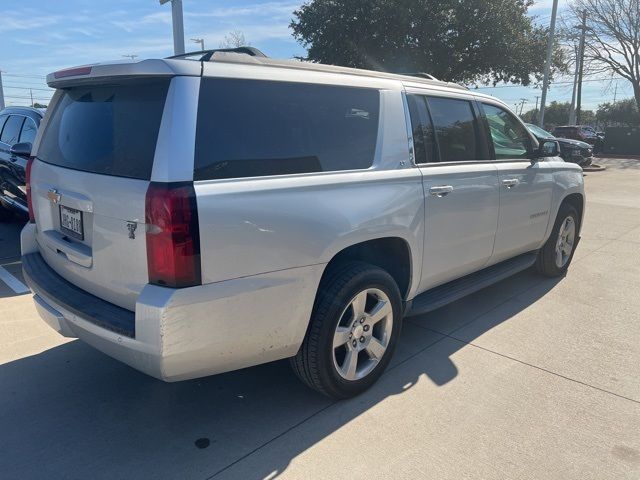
column 583, row 27
column 200, row 41
column 615, row 93
column 535, row 111
column 522, row 102
column 1, row 92
column 178, row 25
column 572, row 109
column 547, row 65
column 31, row 95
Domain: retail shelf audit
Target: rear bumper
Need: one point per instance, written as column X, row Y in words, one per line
column 186, row 333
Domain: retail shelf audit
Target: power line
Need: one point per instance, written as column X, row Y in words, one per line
column 23, row 75
column 568, row 82
column 27, row 97
column 28, row 88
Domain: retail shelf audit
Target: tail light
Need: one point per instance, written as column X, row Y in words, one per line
column 173, row 237
column 27, row 182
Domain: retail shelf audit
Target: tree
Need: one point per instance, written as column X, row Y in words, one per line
column 624, row 112
column 557, row 113
column 462, row 41
column 613, row 37
column 39, row 105
column 234, row 39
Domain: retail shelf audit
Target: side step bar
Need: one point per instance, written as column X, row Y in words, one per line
column 450, row 292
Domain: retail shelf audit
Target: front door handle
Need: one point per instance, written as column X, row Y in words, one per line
column 510, row 182
column 441, row 190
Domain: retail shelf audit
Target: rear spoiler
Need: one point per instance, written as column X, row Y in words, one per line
column 96, row 73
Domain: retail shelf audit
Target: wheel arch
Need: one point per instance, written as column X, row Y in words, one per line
column 392, row 254
column 576, row 200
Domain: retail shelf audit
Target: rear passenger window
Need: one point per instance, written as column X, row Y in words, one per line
column 251, row 128
column 11, row 129
column 509, row 136
column 456, row 130
column 29, row 131
column 423, row 136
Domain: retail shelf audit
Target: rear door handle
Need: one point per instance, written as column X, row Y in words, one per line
column 441, row 190
column 510, row 182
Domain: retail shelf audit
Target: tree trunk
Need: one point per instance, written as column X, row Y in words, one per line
column 636, row 93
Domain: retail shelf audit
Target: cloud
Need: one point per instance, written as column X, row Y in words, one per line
column 259, row 9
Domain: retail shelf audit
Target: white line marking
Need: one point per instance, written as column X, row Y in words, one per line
column 12, row 282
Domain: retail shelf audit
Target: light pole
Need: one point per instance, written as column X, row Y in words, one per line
column 178, row 26
column 1, row 93
column 200, row 41
column 132, row 57
column 547, row 65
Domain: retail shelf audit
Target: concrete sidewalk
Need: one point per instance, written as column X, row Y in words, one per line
column 529, row 379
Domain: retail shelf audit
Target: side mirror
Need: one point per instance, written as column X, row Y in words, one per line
column 21, row 149
column 548, row 148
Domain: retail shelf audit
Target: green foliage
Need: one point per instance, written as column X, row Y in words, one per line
column 624, row 112
column 557, row 113
column 462, row 41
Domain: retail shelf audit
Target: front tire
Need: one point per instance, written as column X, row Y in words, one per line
column 555, row 256
column 353, row 332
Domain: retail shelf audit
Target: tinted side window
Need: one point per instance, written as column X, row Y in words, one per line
column 423, row 137
column 509, row 136
column 29, row 130
column 456, row 129
column 249, row 128
column 3, row 118
column 11, row 129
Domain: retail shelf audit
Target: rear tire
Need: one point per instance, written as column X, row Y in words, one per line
column 353, row 332
column 555, row 256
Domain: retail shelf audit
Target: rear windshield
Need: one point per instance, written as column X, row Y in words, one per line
column 251, row 128
column 106, row 129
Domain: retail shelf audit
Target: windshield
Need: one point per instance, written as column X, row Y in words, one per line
column 539, row 132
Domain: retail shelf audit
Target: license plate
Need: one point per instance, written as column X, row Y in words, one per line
column 71, row 222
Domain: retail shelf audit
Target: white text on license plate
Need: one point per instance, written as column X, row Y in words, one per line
column 71, row 221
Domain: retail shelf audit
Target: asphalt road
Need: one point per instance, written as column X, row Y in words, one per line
column 528, row 379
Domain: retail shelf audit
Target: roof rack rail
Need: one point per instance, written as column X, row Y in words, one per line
column 205, row 55
column 428, row 76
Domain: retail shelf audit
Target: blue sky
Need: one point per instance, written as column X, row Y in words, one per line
column 42, row 36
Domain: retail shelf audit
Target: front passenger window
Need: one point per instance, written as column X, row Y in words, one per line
column 510, row 139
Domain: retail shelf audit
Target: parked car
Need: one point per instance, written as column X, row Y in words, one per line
column 18, row 128
column 192, row 217
column 570, row 150
column 581, row 133
column 593, row 131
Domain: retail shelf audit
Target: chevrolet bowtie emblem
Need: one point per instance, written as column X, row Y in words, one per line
column 54, row 195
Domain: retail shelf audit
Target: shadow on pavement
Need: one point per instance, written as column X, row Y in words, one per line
column 71, row 412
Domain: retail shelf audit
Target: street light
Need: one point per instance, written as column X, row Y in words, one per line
column 178, row 26
column 132, row 57
column 200, row 41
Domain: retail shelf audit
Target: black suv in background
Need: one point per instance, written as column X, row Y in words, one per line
column 573, row 151
column 18, row 128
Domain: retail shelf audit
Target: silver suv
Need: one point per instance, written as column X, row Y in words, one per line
column 195, row 216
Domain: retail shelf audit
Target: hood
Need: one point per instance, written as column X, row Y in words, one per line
column 573, row 143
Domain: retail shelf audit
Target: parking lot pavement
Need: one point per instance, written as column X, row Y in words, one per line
column 530, row 378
